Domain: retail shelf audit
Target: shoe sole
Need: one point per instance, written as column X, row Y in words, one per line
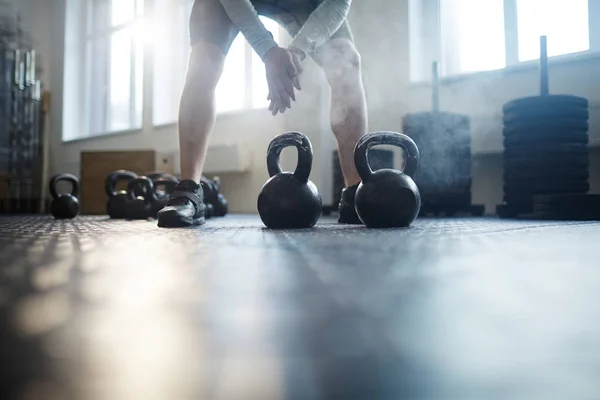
column 177, row 221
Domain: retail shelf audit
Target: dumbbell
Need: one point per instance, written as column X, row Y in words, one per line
column 116, row 207
column 64, row 205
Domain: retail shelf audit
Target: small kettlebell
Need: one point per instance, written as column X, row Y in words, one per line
column 64, row 205
column 161, row 197
column 116, row 207
column 387, row 198
column 213, row 197
column 140, row 192
column 289, row 200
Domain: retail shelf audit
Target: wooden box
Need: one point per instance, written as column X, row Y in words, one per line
column 97, row 165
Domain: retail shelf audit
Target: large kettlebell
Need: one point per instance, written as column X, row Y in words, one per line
column 64, row 205
column 161, row 197
column 116, row 207
column 387, row 198
column 289, row 200
column 140, row 192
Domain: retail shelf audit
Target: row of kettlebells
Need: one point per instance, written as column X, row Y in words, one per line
column 147, row 195
column 144, row 197
column 385, row 198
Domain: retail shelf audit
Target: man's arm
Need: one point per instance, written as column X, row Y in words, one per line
column 244, row 16
column 322, row 23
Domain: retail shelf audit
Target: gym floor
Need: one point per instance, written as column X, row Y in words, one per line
column 447, row 309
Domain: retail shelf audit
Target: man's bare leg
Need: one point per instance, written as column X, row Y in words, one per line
column 341, row 63
column 197, row 108
column 196, row 120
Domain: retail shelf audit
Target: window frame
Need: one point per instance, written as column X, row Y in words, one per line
column 89, row 86
column 429, row 47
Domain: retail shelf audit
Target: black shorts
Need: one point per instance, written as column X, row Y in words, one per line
column 209, row 20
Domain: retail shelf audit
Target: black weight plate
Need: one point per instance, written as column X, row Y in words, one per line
column 508, row 210
column 548, row 137
column 427, row 118
column 528, row 197
column 546, row 186
column 525, row 114
column 565, row 124
column 575, row 200
column 540, row 161
column 545, row 149
column 546, row 173
column 561, row 100
column 568, row 206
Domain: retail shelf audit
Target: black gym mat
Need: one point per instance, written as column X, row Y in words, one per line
column 447, row 309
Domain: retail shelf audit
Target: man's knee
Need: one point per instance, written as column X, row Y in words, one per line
column 205, row 66
column 341, row 63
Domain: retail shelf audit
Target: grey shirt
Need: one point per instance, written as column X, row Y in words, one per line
column 323, row 22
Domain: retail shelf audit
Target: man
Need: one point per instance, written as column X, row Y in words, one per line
column 320, row 31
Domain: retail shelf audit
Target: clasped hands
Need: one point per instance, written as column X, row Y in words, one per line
column 283, row 67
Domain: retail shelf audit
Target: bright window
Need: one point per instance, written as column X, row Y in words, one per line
column 114, row 66
column 480, row 35
column 242, row 86
column 565, row 23
column 476, row 32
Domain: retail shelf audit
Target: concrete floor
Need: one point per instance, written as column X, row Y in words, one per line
column 448, row 309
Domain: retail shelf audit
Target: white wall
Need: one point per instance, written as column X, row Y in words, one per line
column 382, row 36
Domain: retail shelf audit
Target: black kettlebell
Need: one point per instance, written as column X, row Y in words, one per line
column 116, row 207
column 140, row 192
column 289, row 200
column 154, row 175
column 213, row 197
column 387, row 198
column 64, row 205
column 161, row 197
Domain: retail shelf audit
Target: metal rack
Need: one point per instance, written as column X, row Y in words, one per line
column 21, row 120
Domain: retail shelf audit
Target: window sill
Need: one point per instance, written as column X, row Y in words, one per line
column 521, row 67
column 223, row 114
column 103, row 135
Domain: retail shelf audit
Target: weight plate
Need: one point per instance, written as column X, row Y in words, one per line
column 545, row 149
column 547, row 137
column 561, row 100
column 541, row 161
column 564, row 124
column 520, row 197
column 568, row 206
column 508, row 210
column 548, row 186
column 529, row 113
column 426, row 118
column 546, row 173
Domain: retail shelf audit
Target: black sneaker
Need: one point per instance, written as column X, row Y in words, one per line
column 347, row 211
column 185, row 207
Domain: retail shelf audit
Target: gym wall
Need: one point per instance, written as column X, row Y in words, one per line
column 382, row 36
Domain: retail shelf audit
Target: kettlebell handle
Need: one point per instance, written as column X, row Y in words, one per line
column 361, row 150
column 145, row 184
column 72, row 179
column 167, row 183
column 305, row 154
column 110, row 186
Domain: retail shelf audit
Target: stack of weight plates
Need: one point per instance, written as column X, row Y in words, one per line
column 444, row 173
column 545, row 153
